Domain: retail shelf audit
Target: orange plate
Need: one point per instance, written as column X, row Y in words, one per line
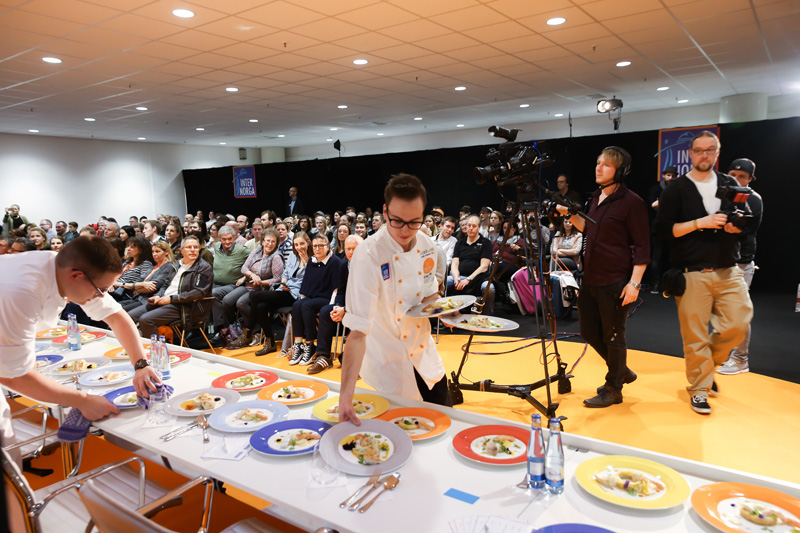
column 95, row 335
column 440, row 421
column 706, row 499
column 52, row 333
column 267, row 393
column 114, row 353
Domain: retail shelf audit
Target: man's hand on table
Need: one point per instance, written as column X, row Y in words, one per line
column 142, row 381
column 96, row 407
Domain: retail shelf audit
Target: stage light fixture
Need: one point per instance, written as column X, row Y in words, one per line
column 606, row 106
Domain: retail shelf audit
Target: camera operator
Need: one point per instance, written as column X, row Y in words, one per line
column 743, row 171
column 617, row 254
column 704, row 246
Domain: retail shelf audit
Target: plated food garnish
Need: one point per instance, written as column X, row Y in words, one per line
column 245, row 382
column 126, row 400
column 114, row 376
column 441, row 305
column 499, row 446
column 81, row 365
column 294, row 440
column 249, row 417
column 203, row 402
column 749, row 515
column 630, row 482
column 481, row 322
column 366, row 448
column 291, row 392
column 361, row 408
column 414, row 425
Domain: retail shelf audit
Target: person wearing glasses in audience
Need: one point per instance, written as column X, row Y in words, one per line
column 34, row 288
column 705, row 245
column 390, row 272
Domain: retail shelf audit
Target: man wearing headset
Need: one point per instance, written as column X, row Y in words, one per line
column 617, row 254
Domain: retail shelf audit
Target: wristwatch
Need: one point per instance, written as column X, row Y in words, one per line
column 637, row 285
column 141, row 363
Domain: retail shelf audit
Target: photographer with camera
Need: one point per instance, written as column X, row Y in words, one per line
column 705, row 247
column 13, row 220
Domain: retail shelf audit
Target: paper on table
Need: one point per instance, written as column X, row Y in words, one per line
column 489, row 524
column 233, row 447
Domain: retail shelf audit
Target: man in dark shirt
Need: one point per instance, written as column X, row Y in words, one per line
column 705, row 245
column 617, row 254
column 469, row 269
column 657, row 246
column 564, row 190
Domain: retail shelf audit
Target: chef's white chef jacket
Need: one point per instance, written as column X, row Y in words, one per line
column 29, row 303
column 384, row 283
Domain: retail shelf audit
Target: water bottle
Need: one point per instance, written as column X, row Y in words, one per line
column 165, row 366
column 73, row 333
column 155, row 353
column 536, row 454
column 554, row 459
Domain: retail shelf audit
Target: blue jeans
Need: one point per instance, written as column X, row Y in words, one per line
column 475, row 288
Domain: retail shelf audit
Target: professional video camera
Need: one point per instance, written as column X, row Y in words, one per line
column 512, row 162
column 734, row 204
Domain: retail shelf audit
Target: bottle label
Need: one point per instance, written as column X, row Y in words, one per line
column 555, row 476
column 536, row 468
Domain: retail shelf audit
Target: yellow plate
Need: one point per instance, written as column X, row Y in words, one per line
column 52, row 333
column 379, row 406
column 676, row 492
column 114, row 353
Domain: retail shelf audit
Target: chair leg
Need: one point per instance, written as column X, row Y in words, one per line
column 203, row 332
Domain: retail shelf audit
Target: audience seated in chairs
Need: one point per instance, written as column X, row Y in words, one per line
column 266, row 303
column 469, row 271
column 138, row 264
column 495, row 228
column 191, row 280
column 333, row 313
column 162, row 271
column 229, row 256
column 57, row 243
column 174, row 235
column 284, row 241
column 254, row 243
column 320, row 280
column 512, row 258
column 39, row 238
column 446, row 240
column 565, row 250
column 342, row 233
column 262, row 270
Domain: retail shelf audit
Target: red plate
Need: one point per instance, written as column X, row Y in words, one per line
column 462, row 443
column 182, row 357
column 95, row 334
column 222, row 381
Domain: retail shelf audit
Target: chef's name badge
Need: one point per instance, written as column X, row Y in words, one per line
column 385, row 271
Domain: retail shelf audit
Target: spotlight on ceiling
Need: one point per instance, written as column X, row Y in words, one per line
column 337, row 145
column 613, row 105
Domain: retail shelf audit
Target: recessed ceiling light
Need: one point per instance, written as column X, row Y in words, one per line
column 142, row 138
column 682, row 101
column 34, row 131
column 556, row 21
column 417, row 118
column 342, row 106
column 223, row 143
column 524, row 105
column 253, row 120
column 141, row 108
column 87, row 119
column 281, row 136
column 663, row 89
column 334, row 129
column 461, row 88
column 200, row 129
column 380, row 134
column 232, row 89
column 559, row 115
column 183, row 13
column 459, row 125
column 53, row 60
column 329, row 139
column 623, row 64
column 360, row 61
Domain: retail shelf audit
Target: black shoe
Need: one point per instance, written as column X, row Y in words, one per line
column 700, row 403
column 630, row 377
column 192, row 336
column 605, row 398
column 714, row 389
column 217, row 341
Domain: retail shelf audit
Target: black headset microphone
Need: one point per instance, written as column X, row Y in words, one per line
column 624, row 169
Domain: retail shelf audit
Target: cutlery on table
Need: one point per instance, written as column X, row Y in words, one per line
column 373, row 480
column 204, row 424
column 181, row 430
column 524, row 483
column 359, row 501
column 388, row 484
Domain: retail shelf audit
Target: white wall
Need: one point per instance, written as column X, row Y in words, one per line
column 80, row 179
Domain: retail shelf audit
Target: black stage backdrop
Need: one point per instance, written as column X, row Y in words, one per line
column 333, row 184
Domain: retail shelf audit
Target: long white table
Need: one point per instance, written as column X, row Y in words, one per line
column 419, row 501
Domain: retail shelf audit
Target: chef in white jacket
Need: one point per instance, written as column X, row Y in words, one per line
column 390, row 272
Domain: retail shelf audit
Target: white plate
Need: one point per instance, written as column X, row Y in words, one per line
column 400, row 446
column 462, row 301
column 97, row 377
column 223, row 419
column 55, row 370
column 226, row 396
column 455, row 322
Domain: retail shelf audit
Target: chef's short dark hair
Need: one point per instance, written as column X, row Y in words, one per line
column 92, row 254
column 405, row 187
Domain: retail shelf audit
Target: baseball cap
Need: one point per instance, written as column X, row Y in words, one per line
column 437, row 210
column 489, row 209
column 745, row 165
column 670, row 169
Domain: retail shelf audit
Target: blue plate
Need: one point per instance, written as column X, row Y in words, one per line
column 43, row 361
column 572, row 528
column 42, row 346
column 266, row 440
column 115, row 396
column 221, row 418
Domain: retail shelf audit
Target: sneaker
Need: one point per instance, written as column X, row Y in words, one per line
column 269, row 347
column 605, row 398
column 630, row 377
column 734, row 365
column 308, row 351
column 296, row 353
column 321, row 362
column 700, row 403
column 714, row 389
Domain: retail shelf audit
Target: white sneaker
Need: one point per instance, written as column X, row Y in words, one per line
column 734, row 365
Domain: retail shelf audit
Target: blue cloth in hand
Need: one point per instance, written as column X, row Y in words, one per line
column 75, row 427
column 144, row 403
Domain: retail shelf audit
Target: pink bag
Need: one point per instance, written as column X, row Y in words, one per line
column 527, row 300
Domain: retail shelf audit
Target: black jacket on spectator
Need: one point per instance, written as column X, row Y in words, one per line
column 321, row 279
column 195, row 283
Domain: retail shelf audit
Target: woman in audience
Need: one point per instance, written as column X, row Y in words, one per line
column 262, row 270
column 213, row 235
column 565, row 250
column 342, row 233
column 39, row 238
column 336, row 216
column 284, row 241
column 174, row 235
column 138, row 264
column 513, row 254
column 126, row 232
column 495, row 229
column 430, row 223
column 265, row 303
column 57, row 243
column 162, row 268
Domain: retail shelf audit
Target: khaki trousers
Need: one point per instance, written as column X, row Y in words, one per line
column 718, row 298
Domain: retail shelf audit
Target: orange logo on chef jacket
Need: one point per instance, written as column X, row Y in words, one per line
column 427, row 266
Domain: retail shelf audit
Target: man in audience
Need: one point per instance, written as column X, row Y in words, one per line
column 112, row 231
column 132, row 220
column 242, row 221
column 101, row 226
column 255, row 231
column 743, row 171
column 565, row 192
column 235, row 225
column 485, row 213
column 87, row 231
column 469, row 268
column 212, row 217
column 22, row 245
column 377, row 223
column 268, row 219
column 446, row 240
column 333, row 313
column 190, row 280
column 188, row 217
column 438, row 215
column 361, row 229
column 152, row 231
column 5, row 245
column 47, row 226
column 61, row 228
column 295, row 206
column 13, row 219
column 72, row 233
column 715, row 308
column 229, row 256
column 392, row 271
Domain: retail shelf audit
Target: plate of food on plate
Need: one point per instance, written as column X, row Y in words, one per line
column 493, row 444
column 296, row 392
column 58, row 331
column 360, row 450
column 178, row 357
column 86, row 337
column 200, row 401
column 245, row 380
column 419, row 423
column 441, row 306
column 107, row 376
column 289, row 437
column 741, row 507
column 632, row 482
column 365, row 405
column 78, row 366
column 120, row 354
column 246, row 417
column 479, row 323
column 124, row 398
column 43, row 361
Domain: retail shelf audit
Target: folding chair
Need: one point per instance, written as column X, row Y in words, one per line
column 198, row 317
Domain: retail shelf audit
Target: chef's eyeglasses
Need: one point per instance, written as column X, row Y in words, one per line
column 100, row 292
column 398, row 223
